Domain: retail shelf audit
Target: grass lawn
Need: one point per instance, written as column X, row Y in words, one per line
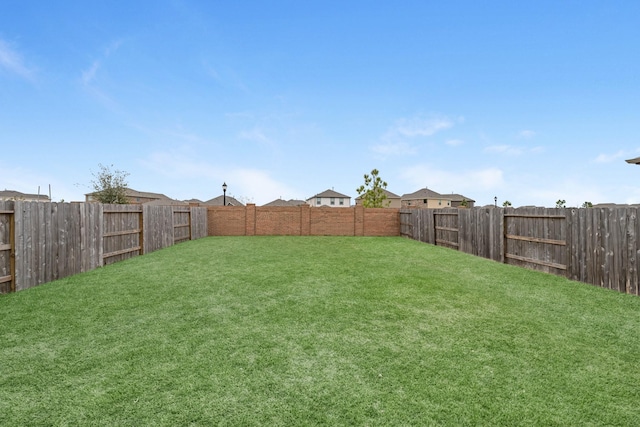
column 317, row 331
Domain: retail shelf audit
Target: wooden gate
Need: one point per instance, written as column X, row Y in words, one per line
column 446, row 226
column 123, row 235
column 181, row 224
column 406, row 224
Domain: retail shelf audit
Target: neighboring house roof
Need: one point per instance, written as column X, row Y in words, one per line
column 388, row 193
column 281, row 202
column 145, row 194
column 635, row 161
column 16, row 195
column 329, row 193
column 219, row 201
column 425, row 193
column 460, row 197
column 166, row 202
column 193, row 201
column 130, row 192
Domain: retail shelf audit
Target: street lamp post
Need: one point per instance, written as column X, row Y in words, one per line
column 224, row 194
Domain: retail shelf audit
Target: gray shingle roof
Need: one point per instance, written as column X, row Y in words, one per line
column 12, row 194
column 425, row 193
column 219, row 201
column 635, row 161
column 460, row 197
column 329, row 193
column 281, row 202
column 388, row 193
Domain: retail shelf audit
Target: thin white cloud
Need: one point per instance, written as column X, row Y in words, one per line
column 112, row 47
column 180, row 164
column 454, row 142
column 608, row 158
column 393, row 149
column 526, row 134
column 394, row 142
column 511, row 150
column 89, row 75
column 256, row 135
column 421, row 126
column 504, row 149
column 12, row 61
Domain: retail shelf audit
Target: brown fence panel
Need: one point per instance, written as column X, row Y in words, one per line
column 181, row 224
column 7, row 247
column 123, row 235
column 536, row 238
column 158, row 227
column 605, row 248
column 418, row 224
column 446, row 228
column 91, row 240
column 407, row 225
column 52, row 241
column 198, row 223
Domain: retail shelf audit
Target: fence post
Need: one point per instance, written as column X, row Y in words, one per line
column 141, row 222
column 503, row 237
column 12, row 255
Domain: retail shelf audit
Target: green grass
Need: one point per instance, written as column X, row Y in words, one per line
column 317, row 331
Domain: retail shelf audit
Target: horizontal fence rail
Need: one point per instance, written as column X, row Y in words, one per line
column 599, row 246
column 41, row 241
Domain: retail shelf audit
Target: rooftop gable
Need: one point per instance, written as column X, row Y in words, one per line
column 220, row 200
column 425, row 193
column 329, row 193
column 388, row 193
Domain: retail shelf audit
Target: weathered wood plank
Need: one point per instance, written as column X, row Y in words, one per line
column 122, row 252
column 537, row 240
column 537, row 261
column 122, row 232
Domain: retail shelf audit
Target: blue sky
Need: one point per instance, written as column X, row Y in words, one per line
column 529, row 102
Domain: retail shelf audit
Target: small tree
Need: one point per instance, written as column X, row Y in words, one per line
column 110, row 186
column 587, row 205
column 372, row 192
column 561, row 204
column 506, row 204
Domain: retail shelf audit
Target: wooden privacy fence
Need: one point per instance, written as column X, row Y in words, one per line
column 600, row 246
column 41, row 242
